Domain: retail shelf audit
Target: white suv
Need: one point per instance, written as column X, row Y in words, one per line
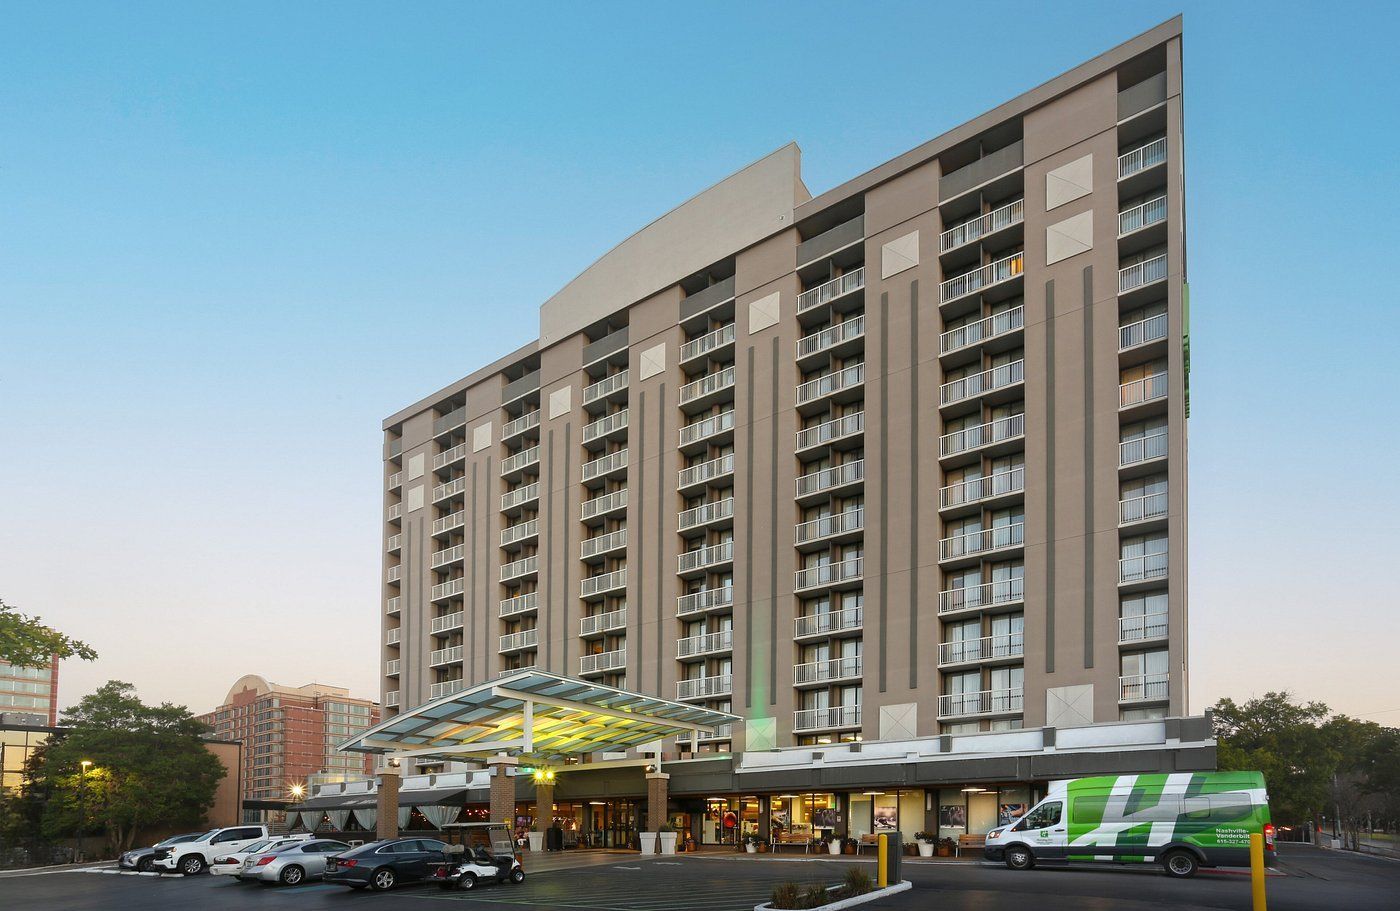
column 192, row 857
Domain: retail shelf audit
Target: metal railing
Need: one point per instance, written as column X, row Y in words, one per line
column 1151, row 329
column 987, row 648
column 706, row 471
column 602, row 661
column 705, row 687
column 603, row 623
column 827, row 384
column 1143, row 157
column 395, row 543
column 1142, row 626
column 718, row 732
column 831, row 336
column 598, row 506
column 396, row 480
column 827, row 292
column 986, row 540
column 708, row 384
column 841, row 523
column 449, row 522
column 989, row 594
column 447, row 457
column 527, row 421
column 832, row 716
column 977, row 384
column 520, row 531
column 448, row 555
column 395, row 511
column 393, row 636
column 1142, row 569
column 1143, row 273
column 448, row 589
column 613, row 461
column 827, row 622
column 391, row 698
column 710, row 341
column 705, row 643
column 984, row 702
column 985, row 329
column 517, row 568
column 1144, row 688
column 522, row 459
column 831, row 431
column 521, row 495
column 391, row 667
column 519, row 604
column 975, row 490
column 606, row 582
column 968, row 439
column 705, row 513
column 605, row 425
column 828, row 574
column 1140, row 216
column 454, row 486
column 507, row 671
column 449, row 622
column 1013, row 213
column 525, row 638
column 826, row 670
column 825, row 479
column 448, row 655
column 1142, row 449
column 391, row 606
column 1139, row 392
column 705, row 599
column 700, row 430
column 446, row 688
column 592, row 547
column 705, row 557
column 395, row 573
column 604, row 387
column 1003, row 270
column 1143, row 508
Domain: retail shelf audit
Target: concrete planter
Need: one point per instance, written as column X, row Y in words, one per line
column 833, row 846
column 872, row 895
column 536, row 841
column 750, row 847
column 648, row 840
column 668, row 842
column 926, row 848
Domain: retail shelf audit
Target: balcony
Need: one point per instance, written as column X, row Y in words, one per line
column 520, row 531
column 596, row 392
column 395, row 573
column 448, row 556
column 391, row 698
column 446, row 688
column 706, row 599
column 708, row 298
column 971, row 439
column 829, row 623
column 847, row 234
column 1007, row 216
column 705, row 687
column 719, row 732
column 514, row 642
column 824, row 340
column 705, row 514
column 1145, row 156
column 527, row 421
column 599, row 507
column 395, row 544
column 605, row 466
column 1142, row 509
column 828, row 480
column 450, row 421
column 833, row 716
column 396, row 480
column 983, row 330
column 827, row 528
column 1142, row 332
column 444, row 590
column 708, row 343
column 984, row 541
column 507, row 671
column 392, row 637
column 1143, row 449
column 702, row 431
column 1001, row 377
column 519, row 569
column 707, row 387
column 391, row 667
column 828, row 384
column 996, row 594
column 529, row 384
column 450, row 655
column 985, row 702
column 1147, row 568
column 1139, row 275
column 841, row 428
column 599, row 662
column 1152, row 212
column 610, row 426
column 602, row 545
column 705, row 644
column 828, row 670
column 520, row 604
column 1142, row 628
column 1140, row 392
column 827, row 575
column 981, row 278
column 989, row 167
column 448, row 622
column 450, row 522
column 987, row 648
column 525, row 458
column 600, row 585
column 514, row 499
column 451, row 488
column 395, row 512
column 599, row 624
column 705, row 472
column 980, row 490
column 391, row 606
column 447, row 457
column 705, row 558
column 834, row 290
column 1144, row 688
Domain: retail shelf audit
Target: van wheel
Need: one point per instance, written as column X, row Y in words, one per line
column 1180, row 864
column 1019, row 857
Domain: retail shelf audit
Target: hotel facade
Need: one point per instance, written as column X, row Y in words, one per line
column 903, row 463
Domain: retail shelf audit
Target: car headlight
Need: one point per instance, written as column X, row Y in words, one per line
column 993, row 835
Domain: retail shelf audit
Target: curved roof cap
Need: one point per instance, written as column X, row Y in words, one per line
column 254, row 682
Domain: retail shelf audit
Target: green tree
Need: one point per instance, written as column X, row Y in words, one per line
column 27, row 642
column 148, row 766
column 1282, row 738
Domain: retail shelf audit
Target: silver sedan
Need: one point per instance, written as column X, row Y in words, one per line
column 291, row 864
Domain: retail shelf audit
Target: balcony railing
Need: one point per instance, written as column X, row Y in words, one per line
column 1142, row 449
column 395, row 543
column 705, row 644
column 597, row 468
column 448, row 555
column 507, row 671
column 710, row 341
column 1141, row 216
column 455, row 418
column 833, row 716
column 1140, row 392
column 828, row 622
column 710, row 426
column 718, row 732
column 527, row 421
column 395, row 573
column 602, row 661
column 1143, row 273
column 828, row 384
column 449, row 522
column 828, row 574
column 985, row 541
column 705, row 687
column 396, row 480
column 1142, row 332
column 705, row 513
column 975, row 490
column 841, row 523
column 1003, row 270
column 395, row 511
column 606, row 582
column 1142, row 569
column 391, row 698
column 520, row 496
column 827, row 670
column 448, row 589
column 705, row 599
column 598, row 506
column 520, row 460
column 831, row 336
column 708, row 385
column 1012, row 213
column 450, row 655
column 707, row 471
column 391, row 667
column 446, row 688
column 827, row 292
column 989, row 594
column 602, row 544
column 981, row 383
column 987, row 648
column 985, row 702
column 1142, row 509
column 604, row 387
column 833, row 478
column 393, row 636
column 830, row 431
column 514, row 642
column 454, row 486
column 1144, row 688
column 705, row 557
column 518, row 568
column 985, row 329
column 605, row 425
column 1142, row 626
column 603, row 623
column 997, row 431
column 520, row 604
column 391, row 606
column 449, row 622
column 1143, row 157
column 520, row 531
column 447, row 457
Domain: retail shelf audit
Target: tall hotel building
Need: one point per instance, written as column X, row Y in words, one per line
column 903, row 460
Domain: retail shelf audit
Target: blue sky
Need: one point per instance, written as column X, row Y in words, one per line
column 229, row 234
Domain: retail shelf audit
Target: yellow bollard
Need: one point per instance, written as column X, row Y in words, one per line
column 882, row 852
column 1256, row 871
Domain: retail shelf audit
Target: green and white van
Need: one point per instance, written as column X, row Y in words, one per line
column 1182, row 821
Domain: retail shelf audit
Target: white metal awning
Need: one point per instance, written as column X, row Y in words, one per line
column 537, row 715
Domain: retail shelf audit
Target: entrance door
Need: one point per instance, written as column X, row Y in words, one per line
column 621, row 824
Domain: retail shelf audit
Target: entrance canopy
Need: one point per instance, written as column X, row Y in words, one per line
column 536, row 715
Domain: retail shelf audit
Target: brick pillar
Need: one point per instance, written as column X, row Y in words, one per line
column 387, row 804
column 657, row 784
column 502, row 790
column 544, row 805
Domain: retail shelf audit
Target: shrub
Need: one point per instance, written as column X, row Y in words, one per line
column 816, row 896
column 856, row 882
column 787, row 895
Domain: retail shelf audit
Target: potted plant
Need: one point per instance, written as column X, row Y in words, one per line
column 833, row 845
column 946, row 847
column 668, row 838
column 751, row 844
column 647, row 841
column 762, row 845
column 536, row 838
column 690, row 844
column 926, row 842
column 848, row 846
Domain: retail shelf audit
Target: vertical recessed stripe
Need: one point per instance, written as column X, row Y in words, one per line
column 773, row 522
column 1089, row 477
column 1049, row 477
column 915, row 504
column 660, row 527
column 884, row 436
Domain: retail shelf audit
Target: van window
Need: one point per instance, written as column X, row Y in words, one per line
column 1047, row 814
column 1229, row 807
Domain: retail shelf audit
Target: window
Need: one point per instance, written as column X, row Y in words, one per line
column 1043, row 816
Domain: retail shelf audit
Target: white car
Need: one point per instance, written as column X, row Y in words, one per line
column 193, row 857
column 228, row 864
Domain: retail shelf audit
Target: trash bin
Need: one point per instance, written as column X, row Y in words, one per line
column 894, row 853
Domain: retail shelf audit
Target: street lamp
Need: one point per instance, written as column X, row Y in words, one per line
column 82, row 807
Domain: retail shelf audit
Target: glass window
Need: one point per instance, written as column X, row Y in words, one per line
column 1047, row 814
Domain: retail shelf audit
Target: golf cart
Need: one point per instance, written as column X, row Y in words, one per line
column 478, row 852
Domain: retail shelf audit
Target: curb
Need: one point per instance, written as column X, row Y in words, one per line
column 872, row 895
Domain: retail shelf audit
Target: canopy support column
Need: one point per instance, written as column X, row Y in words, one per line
column 386, row 824
column 502, row 789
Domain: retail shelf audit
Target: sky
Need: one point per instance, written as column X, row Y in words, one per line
column 234, row 237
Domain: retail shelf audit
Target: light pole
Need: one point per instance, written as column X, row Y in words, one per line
column 82, row 806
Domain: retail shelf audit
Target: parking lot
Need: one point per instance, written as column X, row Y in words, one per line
column 1309, row 878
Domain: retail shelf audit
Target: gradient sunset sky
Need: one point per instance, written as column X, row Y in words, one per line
column 234, row 237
